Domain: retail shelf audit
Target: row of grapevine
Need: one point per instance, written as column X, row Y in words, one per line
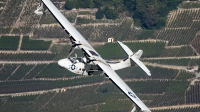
column 115, row 105
column 9, row 42
column 179, row 36
column 50, row 32
column 28, row 44
column 169, row 98
column 4, row 30
column 7, row 70
column 81, row 21
column 27, row 56
column 36, row 70
column 178, row 52
column 185, row 75
column 100, row 33
column 138, row 73
column 193, row 93
column 38, row 85
column 28, row 20
column 149, row 86
column 183, row 18
column 11, row 13
column 25, row 86
column 22, row 105
column 21, row 72
column 48, row 18
column 196, row 43
column 53, row 71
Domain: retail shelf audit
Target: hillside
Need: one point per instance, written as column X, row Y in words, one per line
column 31, row 45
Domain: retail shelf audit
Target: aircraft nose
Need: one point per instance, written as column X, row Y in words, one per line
column 60, row 63
column 64, row 63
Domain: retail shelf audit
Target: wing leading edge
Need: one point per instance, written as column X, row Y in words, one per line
column 67, row 26
column 122, row 85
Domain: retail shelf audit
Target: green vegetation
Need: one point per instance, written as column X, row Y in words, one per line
column 178, row 52
column 9, row 42
column 57, row 48
column 113, row 104
column 99, row 14
column 25, row 86
column 185, row 75
column 192, row 94
column 159, row 86
column 80, row 81
column 21, row 72
column 48, row 18
column 35, row 71
column 27, row 56
column 169, row 98
column 53, row 71
column 50, row 32
column 178, row 86
column 189, row 5
column 7, row 70
column 28, row 44
column 181, row 27
column 157, row 73
column 148, row 14
column 12, row 8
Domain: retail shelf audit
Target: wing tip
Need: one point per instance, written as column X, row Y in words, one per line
column 149, row 74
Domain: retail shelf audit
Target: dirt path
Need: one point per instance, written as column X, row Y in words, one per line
column 20, row 43
column 166, row 66
column 156, row 58
column 174, row 107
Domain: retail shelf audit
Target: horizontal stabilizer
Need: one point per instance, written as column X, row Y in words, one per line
column 141, row 65
column 125, row 48
column 135, row 57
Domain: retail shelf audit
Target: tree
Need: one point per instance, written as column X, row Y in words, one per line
column 97, row 3
column 99, row 14
column 91, row 4
column 130, row 4
column 110, row 13
column 69, row 4
column 149, row 16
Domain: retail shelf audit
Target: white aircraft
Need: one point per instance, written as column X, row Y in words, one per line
column 92, row 63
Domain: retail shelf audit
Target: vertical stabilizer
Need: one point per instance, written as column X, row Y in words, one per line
column 138, row 54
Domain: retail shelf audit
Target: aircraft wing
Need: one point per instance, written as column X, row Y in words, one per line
column 92, row 54
column 122, row 85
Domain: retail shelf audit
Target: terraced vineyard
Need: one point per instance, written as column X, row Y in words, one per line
column 181, row 28
column 30, row 46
